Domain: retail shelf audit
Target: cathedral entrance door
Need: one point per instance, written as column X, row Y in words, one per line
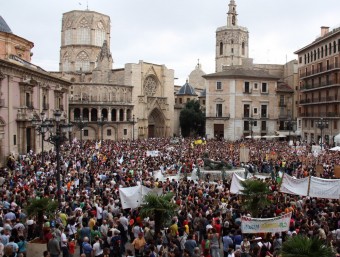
column 156, row 124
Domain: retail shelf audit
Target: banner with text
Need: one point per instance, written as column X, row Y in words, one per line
column 294, row 186
column 324, row 188
column 271, row 225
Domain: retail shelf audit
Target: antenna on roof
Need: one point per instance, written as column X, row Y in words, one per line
column 87, row 5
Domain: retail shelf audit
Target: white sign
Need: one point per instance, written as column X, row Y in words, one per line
column 294, row 186
column 154, row 153
column 271, row 225
column 132, row 197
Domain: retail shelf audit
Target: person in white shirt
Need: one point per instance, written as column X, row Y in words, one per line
column 98, row 251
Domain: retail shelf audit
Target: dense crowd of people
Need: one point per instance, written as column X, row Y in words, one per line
column 91, row 219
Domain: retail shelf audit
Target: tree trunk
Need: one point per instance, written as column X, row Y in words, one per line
column 158, row 222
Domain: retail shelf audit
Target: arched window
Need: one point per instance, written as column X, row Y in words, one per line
column 314, row 55
column 76, row 113
column 321, row 51
column 83, row 32
column 121, row 115
column 330, row 49
column 99, row 34
column 318, row 53
column 334, row 47
column 68, row 36
column 114, row 115
column 326, row 50
column 86, row 113
column 94, row 114
column 82, row 61
column 243, row 48
column 66, row 62
column 104, row 113
column 221, row 48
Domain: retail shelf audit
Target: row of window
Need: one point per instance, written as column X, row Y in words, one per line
column 246, row 111
column 321, row 52
column 83, row 37
column 243, row 48
column 320, row 67
column 313, row 124
column 108, row 132
column 248, row 86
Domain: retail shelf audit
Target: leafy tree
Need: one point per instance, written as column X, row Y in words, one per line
column 302, row 246
column 192, row 119
column 255, row 193
column 38, row 207
column 161, row 208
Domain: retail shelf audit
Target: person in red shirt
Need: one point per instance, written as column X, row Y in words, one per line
column 71, row 247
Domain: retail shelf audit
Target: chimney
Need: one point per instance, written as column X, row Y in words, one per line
column 324, row 30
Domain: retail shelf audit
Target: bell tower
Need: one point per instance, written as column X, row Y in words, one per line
column 231, row 41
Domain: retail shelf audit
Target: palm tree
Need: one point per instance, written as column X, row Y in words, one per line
column 161, row 208
column 255, row 193
column 302, row 246
column 38, row 207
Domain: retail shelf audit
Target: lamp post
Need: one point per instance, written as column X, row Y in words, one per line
column 322, row 124
column 41, row 126
column 81, row 124
column 101, row 122
column 133, row 127
column 289, row 126
column 58, row 130
column 251, row 122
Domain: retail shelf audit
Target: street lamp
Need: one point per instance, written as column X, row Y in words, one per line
column 251, row 122
column 101, row 122
column 81, row 124
column 41, row 126
column 321, row 124
column 58, row 129
column 133, row 127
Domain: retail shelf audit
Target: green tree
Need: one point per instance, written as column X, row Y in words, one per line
column 38, row 207
column 302, row 246
column 192, row 119
column 161, row 208
column 255, row 196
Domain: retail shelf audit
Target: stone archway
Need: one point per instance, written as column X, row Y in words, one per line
column 156, row 124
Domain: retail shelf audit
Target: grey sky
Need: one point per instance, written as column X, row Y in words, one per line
column 175, row 32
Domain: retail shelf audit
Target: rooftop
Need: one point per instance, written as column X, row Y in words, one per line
column 4, row 27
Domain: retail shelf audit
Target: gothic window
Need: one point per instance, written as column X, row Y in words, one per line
column 66, row 62
column 68, row 37
column 150, row 86
column 243, row 48
column 221, row 48
column 83, row 32
column 82, row 61
column 99, row 34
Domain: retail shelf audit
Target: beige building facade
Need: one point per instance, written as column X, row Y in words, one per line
column 319, row 94
column 26, row 91
column 244, row 99
column 136, row 101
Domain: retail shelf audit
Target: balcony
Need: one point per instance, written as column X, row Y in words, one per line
column 321, row 100
column 316, row 86
column 264, row 116
column 319, row 70
column 216, row 117
column 2, row 102
column 320, row 115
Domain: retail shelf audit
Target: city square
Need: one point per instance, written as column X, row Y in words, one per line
column 109, row 161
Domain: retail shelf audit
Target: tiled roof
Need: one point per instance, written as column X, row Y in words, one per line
column 186, row 89
column 282, row 87
column 241, row 72
column 4, row 27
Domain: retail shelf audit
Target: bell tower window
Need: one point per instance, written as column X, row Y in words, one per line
column 221, row 48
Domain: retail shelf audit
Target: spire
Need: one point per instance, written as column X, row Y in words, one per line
column 232, row 14
column 104, row 52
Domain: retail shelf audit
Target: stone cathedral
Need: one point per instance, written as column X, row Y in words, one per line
column 136, row 101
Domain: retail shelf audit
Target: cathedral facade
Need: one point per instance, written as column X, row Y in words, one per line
column 127, row 103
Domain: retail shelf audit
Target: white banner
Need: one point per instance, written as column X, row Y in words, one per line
column 236, row 187
column 324, row 188
column 132, row 197
column 152, row 153
column 271, row 225
column 294, row 186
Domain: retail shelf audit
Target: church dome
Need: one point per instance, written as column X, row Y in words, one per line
column 4, row 27
column 187, row 89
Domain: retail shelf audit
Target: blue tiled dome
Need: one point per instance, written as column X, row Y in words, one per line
column 186, row 89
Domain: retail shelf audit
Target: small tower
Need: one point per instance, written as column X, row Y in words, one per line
column 231, row 41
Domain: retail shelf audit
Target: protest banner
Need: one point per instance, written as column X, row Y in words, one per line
column 251, row 225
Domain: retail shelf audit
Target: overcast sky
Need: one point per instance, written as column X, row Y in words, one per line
column 175, row 32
